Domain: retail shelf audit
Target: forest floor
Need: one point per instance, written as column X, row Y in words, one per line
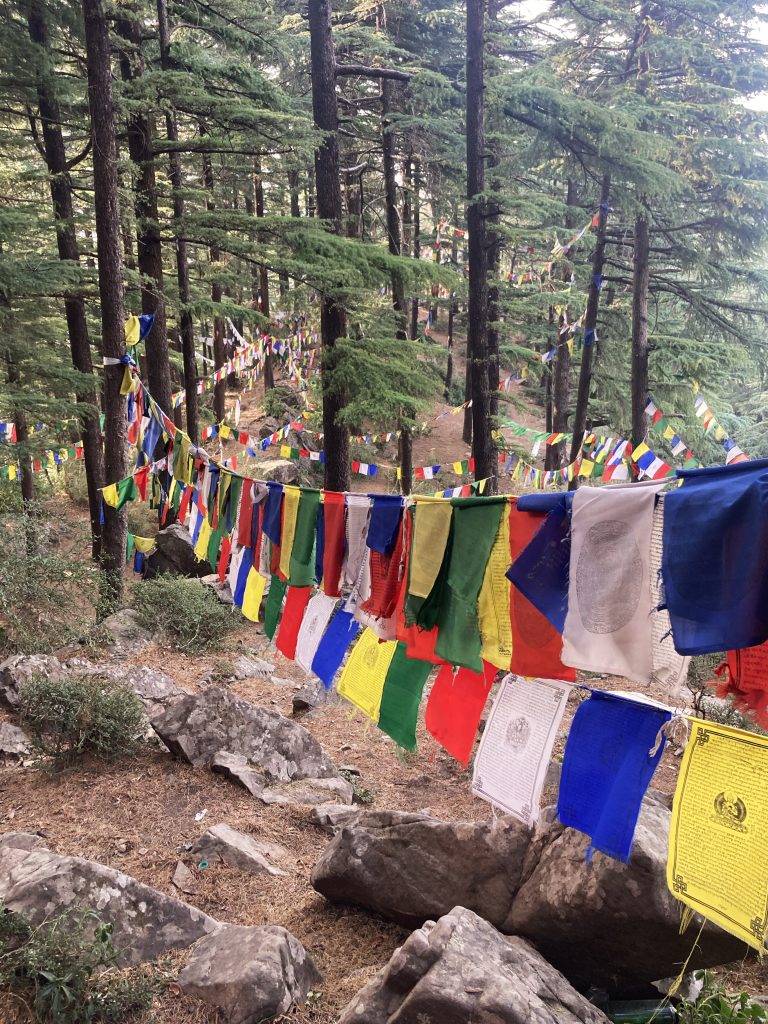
column 136, row 814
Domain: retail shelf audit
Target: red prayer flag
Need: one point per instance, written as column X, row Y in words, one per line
column 745, row 679
column 333, row 552
column 224, row 552
column 293, row 614
column 454, row 708
column 184, row 504
column 245, row 519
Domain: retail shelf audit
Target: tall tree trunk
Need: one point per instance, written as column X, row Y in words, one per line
column 477, row 327
column 332, row 314
column 258, row 192
column 561, row 383
column 416, row 205
column 110, row 288
column 640, row 276
column 217, row 291
column 186, row 331
column 590, row 324
column 74, row 308
column 405, row 459
column 141, row 132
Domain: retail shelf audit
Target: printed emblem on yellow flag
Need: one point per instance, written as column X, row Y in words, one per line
column 719, row 831
column 362, row 681
column 291, row 498
column 493, row 606
column 254, row 591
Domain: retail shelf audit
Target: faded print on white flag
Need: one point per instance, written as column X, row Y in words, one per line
column 316, row 618
column 512, row 760
column 608, row 626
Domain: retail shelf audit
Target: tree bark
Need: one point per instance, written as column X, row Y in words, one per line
column 186, row 331
column 416, row 206
column 477, row 328
column 74, row 307
column 110, row 288
column 217, row 291
column 141, row 132
column 258, row 192
column 332, row 314
column 640, row 277
column 590, row 324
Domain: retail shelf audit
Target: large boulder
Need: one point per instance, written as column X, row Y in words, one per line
column 18, row 669
column 200, row 725
column 249, row 974
column 38, row 883
column 280, row 470
column 175, row 554
column 14, row 742
column 611, row 924
column 301, row 791
column 412, row 867
column 461, row 969
column 155, row 690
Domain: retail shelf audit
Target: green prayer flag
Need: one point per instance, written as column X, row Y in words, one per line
column 126, row 491
column 475, row 525
column 302, row 565
column 273, row 605
column 401, row 697
column 214, row 544
column 425, row 613
column 129, row 546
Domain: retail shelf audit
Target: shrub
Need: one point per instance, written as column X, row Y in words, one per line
column 80, row 715
column 360, row 794
column 716, row 1006
column 186, row 611
column 281, row 400
column 58, row 970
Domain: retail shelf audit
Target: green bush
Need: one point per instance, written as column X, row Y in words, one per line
column 280, row 400
column 185, row 610
column 63, row 971
column 716, row 1006
column 79, row 715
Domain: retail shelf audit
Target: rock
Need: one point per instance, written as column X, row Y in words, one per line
column 21, row 841
column 221, row 590
column 155, row 690
column 461, row 969
column 200, row 725
column 226, row 845
column 146, row 923
column 410, row 867
column 126, row 631
column 18, row 669
column 350, row 769
column 184, row 880
column 14, row 742
column 311, row 695
column 612, row 925
column 269, row 427
column 330, row 817
column 302, row 791
column 175, row 554
column 280, row 470
column 247, row 668
column 250, row 974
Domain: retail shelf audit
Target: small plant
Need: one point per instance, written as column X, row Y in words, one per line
column 78, row 715
column 716, row 1006
column 64, row 970
column 188, row 613
column 360, row 794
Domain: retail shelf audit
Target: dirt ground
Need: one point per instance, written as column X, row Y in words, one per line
column 136, row 815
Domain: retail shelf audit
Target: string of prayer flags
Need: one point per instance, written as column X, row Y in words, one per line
column 454, row 707
column 608, row 622
column 719, row 831
column 362, row 681
column 715, row 558
column 515, row 748
column 334, row 645
column 649, row 464
column 679, row 448
column 613, row 747
column 733, row 454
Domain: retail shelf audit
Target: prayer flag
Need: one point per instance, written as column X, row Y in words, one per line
column 273, row 605
column 613, row 748
column 384, row 522
column 362, row 680
column 401, row 697
column 293, row 614
column 454, row 708
column 719, row 830
column 291, row 499
column 254, row 591
column 342, row 630
column 302, row 561
column 333, row 550
column 316, row 618
column 494, row 601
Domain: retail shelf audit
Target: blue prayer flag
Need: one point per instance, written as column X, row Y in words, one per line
column 342, row 630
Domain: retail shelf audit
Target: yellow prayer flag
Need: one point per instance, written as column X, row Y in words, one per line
column 481, row 485
column 719, row 830
column 144, row 544
column 431, row 524
column 586, row 468
column 362, row 681
column 224, row 431
column 639, row 450
column 126, row 385
column 720, row 434
column 668, row 433
column 457, row 467
column 254, row 591
column 132, row 330
column 201, row 548
column 569, row 343
column 12, row 472
column 285, row 451
column 109, row 494
column 493, row 606
column 291, row 498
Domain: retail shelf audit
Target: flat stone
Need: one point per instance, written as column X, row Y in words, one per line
column 460, row 969
column 331, row 817
column 225, row 845
column 221, row 590
column 14, row 742
column 308, row 791
column 184, row 879
column 126, row 631
column 146, row 923
column 249, row 974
